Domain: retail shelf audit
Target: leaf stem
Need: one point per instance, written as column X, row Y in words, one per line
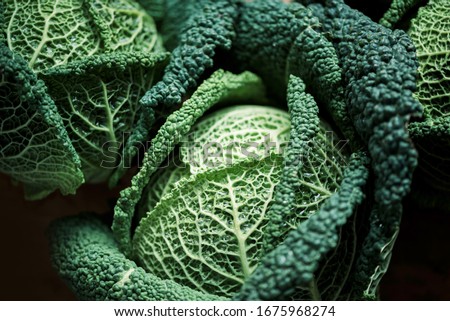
column 314, row 290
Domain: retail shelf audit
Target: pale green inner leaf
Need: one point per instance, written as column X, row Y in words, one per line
column 234, row 134
column 430, row 32
column 52, row 33
column 100, row 109
column 208, row 233
column 204, row 227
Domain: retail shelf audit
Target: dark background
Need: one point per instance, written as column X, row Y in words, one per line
column 420, row 267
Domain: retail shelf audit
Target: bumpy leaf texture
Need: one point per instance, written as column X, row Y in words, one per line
column 91, row 46
column 199, row 28
column 218, row 142
column 379, row 69
column 207, row 230
column 296, row 268
column 313, row 165
column 98, row 99
column 430, row 32
column 82, row 248
column 87, row 257
column 398, row 10
column 233, row 134
column 291, row 267
column 275, row 40
column 35, row 147
column 52, row 33
column 219, row 87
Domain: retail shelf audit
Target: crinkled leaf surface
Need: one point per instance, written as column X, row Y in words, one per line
column 207, row 229
column 161, row 183
column 207, row 233
column 430, row 32
column 322, row 269
column 199, row 28
column 233, row 134
column 84, row 252
column 219, row 86
column 276, row 39
column 35, row 147
column 294, row 264
column 123, row 25
column 320, row 174
column 219, row 141
column 379, row 72
column 98, row 99
column 52, row 33
column 397, row 11
column 88, row 50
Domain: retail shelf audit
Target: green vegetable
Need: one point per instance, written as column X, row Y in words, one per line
column 303, row 265
column 292, row 269
column 398, row 10
column 198, row 28
column 50, row 34
column 282, row 224
column 430, row 32
column 206, row 233
column 81, row 245
column 98, row 99
column 221, row 86
column 97, row 59
column 379, row 69
column 87, row 258
column 35, row 147
column 167, row 239
column 276, row 40
column 212, row 220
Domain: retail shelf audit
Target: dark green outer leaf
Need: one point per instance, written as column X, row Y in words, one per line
column 86, row 256
column 376, row 251
column 35, row 147
column 274, row 40
column 304, row 126
column 432, row 139
column 397, row 10
column 210, row 27
column 379, row 68
column 305, row 141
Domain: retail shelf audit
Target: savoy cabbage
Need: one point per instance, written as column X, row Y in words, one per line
column 278, row 137
column 210, row 219
column 203, row 230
